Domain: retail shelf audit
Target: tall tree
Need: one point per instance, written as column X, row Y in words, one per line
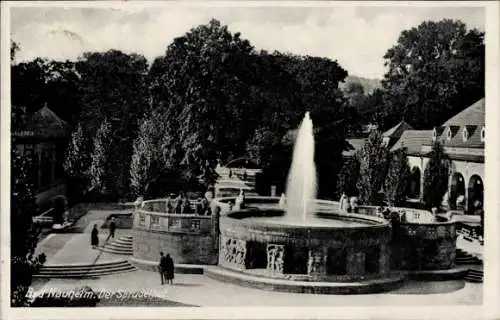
column 436, row 176
column 397, row 181
column 77, row 162
column 202, row 83
column 99, row 167
column 373, row 158
column 434, row 71
column 348, row 176
column 113, row 89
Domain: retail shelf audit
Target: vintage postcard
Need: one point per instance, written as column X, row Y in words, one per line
column 233, row 159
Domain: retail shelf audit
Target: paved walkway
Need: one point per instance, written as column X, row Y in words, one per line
column 75, row 248
column 203, row 291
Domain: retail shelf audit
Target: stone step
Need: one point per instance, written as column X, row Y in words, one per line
column 86, row 274
column 118, row 245
column 85, row 271
column 474, row 279
column 117, row 250
column 124, row 241
column 476, row 272
column 81, row 265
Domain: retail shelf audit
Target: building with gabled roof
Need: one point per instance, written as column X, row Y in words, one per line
column 462, row 137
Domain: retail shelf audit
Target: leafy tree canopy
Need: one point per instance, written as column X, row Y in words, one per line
column 435, row 70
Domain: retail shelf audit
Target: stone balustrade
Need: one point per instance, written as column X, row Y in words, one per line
column 188, row 238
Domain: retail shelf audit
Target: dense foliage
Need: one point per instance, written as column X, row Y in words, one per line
column 348, row 177
column 24, row 235
column 397, row 181
column 436, row 175
column 373, row 161
column 252, row 100
column 435, row 70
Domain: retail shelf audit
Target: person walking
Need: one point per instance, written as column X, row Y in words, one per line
column 162, row 268
column 112, row 228
column 169, row 268
column 344, row 203
column 94, row 237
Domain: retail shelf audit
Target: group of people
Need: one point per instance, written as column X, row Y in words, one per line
column 348, row 205
column 166, row 268
column 182, row 205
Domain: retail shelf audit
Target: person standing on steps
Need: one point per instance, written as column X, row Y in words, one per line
column 94, row 237
column 162, row 267
column 169, row 267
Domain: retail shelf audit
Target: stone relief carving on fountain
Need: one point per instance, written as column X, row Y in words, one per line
column 275, row 257
column 315, row 262
column 234, row 251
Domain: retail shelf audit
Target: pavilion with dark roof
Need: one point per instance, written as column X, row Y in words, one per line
column 462, row 138
column 44, row 136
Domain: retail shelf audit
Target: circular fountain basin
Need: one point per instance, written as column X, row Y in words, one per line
column 325, row 247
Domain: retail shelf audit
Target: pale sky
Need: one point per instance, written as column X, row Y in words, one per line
column 357, row 37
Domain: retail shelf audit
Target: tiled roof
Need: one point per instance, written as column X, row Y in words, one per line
column 45, row 124
column 413, row 140
column 473, row 140
column 473, row 115
column 397, row 130
column 355, row 145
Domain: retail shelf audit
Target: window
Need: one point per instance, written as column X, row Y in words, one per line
column 449, row 134
column 195, row 225
column 483, row 134
column 465, row 134
column 434, row 134
column 155, row 222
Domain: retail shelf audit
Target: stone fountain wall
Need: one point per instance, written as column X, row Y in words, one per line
column 314, row 254
column 424, row 246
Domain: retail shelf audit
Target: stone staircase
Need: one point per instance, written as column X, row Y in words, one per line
column 474, row 275
column 85, row 270
column 462, row 257
column 120, row 246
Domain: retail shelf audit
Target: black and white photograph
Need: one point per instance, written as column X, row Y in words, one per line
column 179, row 155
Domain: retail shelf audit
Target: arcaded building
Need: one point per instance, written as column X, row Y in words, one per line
column 463, row 138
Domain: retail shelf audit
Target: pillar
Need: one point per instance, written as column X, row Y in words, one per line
column 422, row 170
column 384, row 259
column 39, row 169
column 355, row 262
column 52, row 165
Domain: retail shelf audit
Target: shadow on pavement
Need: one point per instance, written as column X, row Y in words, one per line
column 416, row 287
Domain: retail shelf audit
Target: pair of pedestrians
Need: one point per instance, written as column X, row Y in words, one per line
column 94, row 236
column 166, row 268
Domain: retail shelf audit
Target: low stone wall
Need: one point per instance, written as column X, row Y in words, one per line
column 188, row 238
column 122, row 220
